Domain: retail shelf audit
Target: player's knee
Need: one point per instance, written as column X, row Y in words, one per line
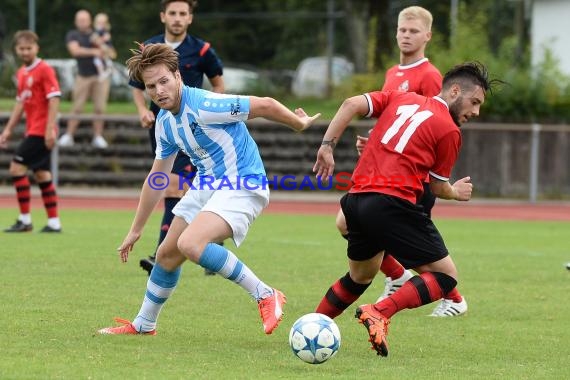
column 168, row 260
column 42, row 176
column 17, row 170
column 191, row 249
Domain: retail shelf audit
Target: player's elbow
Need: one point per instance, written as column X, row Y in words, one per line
column 266, row 105
column 354, row 106
column 262, row 107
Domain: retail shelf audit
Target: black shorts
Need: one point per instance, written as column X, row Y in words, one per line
column 378, row 222
column 182, row 164
column 33, row 153
column 427, row 201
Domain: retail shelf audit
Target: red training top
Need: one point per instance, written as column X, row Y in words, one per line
column 37, row 83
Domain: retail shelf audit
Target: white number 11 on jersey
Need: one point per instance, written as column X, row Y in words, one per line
column 407, row 113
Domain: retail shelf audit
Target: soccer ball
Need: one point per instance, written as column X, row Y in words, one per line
column 314, row 338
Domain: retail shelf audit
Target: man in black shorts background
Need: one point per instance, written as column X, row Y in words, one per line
column 38, row 96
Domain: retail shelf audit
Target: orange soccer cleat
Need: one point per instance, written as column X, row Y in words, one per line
column 377, row 326
column 126, row 328
column 271, row 310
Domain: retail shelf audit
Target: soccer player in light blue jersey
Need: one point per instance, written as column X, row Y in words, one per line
column 197, row 60
column 210, row 128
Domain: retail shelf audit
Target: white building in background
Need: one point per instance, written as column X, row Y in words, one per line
column 550, row 28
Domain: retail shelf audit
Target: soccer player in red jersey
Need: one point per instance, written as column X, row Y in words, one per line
column 413, row 137
column 38, row 96
column 414, row 74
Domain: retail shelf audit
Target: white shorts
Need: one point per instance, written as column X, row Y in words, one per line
column 238, row 208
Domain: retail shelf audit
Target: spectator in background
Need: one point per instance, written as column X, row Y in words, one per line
column 102, row 38
column 196, row 58
column 87, row 84
column 38, row 96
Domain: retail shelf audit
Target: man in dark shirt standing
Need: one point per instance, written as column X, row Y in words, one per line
column 87, row 82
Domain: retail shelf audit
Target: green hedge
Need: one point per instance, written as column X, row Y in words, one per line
column 531, row 94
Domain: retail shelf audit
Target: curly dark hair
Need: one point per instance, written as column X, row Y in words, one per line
column 469, row 74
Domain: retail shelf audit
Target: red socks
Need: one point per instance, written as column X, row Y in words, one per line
column 391, row 267
column 23, row 193
column 419, row 290
column 453, row 295
column 49, row 198
column 340, row 296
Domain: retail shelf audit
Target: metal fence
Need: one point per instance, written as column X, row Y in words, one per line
column 504, row 160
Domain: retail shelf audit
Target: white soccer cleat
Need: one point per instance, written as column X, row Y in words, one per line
column 65, row 141
column 393, row 285
column 448, row 308
column 99, row 142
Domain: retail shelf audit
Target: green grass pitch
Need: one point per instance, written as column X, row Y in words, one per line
column 57, row 290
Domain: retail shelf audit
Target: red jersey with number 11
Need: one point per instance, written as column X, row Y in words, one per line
column 413, row 136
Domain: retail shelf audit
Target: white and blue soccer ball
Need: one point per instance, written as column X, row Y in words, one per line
column 314, row 338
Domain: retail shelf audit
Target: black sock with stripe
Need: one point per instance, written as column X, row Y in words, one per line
column 340, row 296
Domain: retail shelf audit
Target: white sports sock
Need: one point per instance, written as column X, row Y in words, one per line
column 155, row 297
column 25, row 218
column 54, row 223
column 234, row 269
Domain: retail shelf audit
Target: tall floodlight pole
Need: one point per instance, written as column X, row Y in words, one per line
column 330, row 46
column 453, row 10
column 32, row 15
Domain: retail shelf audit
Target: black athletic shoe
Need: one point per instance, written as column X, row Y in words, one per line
column 49, row 229
column 19, row 227
column 148, row 263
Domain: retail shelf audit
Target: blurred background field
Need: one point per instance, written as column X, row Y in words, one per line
column 57, row 290
column 285, row 48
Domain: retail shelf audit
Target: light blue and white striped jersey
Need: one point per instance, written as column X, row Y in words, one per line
column 210, row 129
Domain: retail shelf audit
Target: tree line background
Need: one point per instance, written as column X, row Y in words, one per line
column 277, row 35
column 261, row 33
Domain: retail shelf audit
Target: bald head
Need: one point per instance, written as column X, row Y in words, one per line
column 83, row 20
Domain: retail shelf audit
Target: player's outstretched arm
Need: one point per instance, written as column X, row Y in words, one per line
column 356, row 105
column 273, row 110
column 151, row 193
